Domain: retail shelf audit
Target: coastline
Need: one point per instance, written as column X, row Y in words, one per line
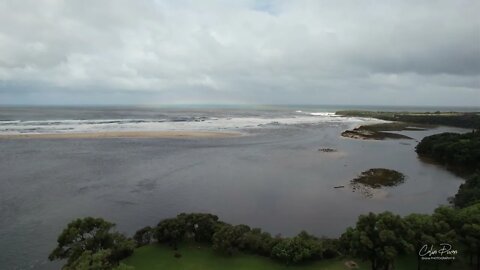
column 127, row 134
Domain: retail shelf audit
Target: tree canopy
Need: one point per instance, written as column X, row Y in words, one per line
column 85, row 237
column 468, row 193
column 378, row 238
column 453, row 149
column 229, row 238
column 298, row 249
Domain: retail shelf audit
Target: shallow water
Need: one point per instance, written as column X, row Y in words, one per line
column 275, row 179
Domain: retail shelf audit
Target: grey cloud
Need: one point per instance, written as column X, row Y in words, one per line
column 355, row 52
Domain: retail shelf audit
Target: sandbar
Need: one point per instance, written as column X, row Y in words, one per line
column 125, row 134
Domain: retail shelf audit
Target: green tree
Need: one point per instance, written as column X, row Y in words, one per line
column 258, row 242
column 143, row 236
column 228, row 238
column 468, row 226
column 171, row 230
column 298, row 249
column 428, row 230
column 378, row 238
column 447, row 214
column 468, row 193
column 120, row 246
column 96, row 261
column 331, row 247
column 453, row 149
column 92, row 235
column 200, row 225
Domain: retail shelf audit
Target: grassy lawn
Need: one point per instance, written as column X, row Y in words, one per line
column 201, row 257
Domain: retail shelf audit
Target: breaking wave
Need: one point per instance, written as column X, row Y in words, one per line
column 171, row 122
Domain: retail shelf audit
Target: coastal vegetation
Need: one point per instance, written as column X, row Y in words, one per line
column 453, row 150
column 381, row 239
column 91, row 243
column 460, row 153
column 454, row 119
column 468, row 193
column 378, row 238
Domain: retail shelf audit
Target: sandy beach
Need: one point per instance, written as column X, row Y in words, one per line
column 126, row 134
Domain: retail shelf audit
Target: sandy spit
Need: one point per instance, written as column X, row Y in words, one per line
column 126, row 134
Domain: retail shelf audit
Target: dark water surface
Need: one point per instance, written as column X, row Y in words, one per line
column 275, row 179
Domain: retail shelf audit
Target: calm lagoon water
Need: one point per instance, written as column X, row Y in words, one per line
column 274, row 178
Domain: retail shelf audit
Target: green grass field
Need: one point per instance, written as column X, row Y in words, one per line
column 201, row 257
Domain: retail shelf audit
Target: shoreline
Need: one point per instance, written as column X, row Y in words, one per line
column 172, row 134
column 382, row 131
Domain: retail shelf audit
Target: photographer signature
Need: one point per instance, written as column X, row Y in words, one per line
column 445, row 249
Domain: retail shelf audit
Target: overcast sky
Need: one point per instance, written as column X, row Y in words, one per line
column 267, row 52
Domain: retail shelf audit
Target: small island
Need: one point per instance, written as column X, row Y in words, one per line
column 376, row 178
column 379, row 177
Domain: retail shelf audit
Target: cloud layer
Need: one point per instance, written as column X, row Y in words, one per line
column 155, row 52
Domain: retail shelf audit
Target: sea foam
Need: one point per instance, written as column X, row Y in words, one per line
column 173, row 122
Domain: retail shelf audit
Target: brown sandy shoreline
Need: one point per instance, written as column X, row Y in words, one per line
column 127, row 134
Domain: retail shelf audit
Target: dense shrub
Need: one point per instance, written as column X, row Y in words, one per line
column 200, row 226
column 453, row 149
column 143, row 236
column 257, row 242
column 171, row 231
column 90, row 244
column 463, row 120
column 379, row 238
column 228, row 238
column 468, row 193
column 83, row 238
column 300, row 248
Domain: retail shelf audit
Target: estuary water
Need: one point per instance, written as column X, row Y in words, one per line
column 274, row 177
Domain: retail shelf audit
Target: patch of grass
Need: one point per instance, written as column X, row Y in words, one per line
column 202, row 257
